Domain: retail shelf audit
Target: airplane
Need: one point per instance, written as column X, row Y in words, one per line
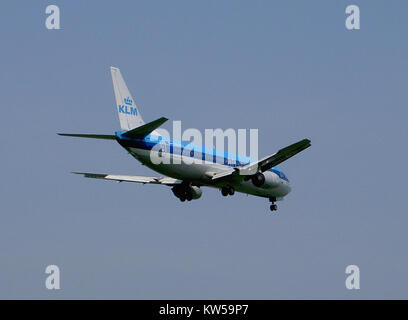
column 215, row 169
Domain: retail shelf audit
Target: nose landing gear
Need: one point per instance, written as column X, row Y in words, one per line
column 273, row 206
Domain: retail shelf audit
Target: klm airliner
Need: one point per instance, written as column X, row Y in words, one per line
column 208, row 167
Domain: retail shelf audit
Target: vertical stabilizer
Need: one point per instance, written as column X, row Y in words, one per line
column 129, row 115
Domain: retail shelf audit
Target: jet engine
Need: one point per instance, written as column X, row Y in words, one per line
column 258, row 179
column 187, row 192
column 196, row 192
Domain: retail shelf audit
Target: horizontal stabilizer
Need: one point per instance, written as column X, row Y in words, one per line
column 144, row 130
column 92, row 136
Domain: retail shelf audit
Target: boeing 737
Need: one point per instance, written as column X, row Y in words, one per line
column 218, row 169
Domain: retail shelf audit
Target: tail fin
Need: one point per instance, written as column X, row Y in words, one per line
column 129, row 115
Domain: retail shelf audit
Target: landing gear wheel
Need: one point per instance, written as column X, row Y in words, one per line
column 231, row 191
column 273, row 207
column 224, row 191
column 189, row 197
column 182, row 198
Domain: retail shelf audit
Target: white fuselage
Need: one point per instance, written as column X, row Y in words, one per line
column 197, row 172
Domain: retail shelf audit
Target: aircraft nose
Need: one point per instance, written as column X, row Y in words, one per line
column 288, row 188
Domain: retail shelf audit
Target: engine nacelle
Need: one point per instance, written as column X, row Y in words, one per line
column 187, row 192
column 196, row 192
column 265, row 180
column 258, row 179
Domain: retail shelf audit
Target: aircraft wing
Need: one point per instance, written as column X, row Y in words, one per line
column 266, row 162
column 139, row 179
column 276, row 158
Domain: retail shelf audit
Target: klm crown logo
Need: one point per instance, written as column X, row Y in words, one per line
column 128, row 101
column 127, row 110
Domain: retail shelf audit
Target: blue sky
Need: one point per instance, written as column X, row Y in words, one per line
column 288, row 68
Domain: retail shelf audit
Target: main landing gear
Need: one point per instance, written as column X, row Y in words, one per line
column 273, row 206
column 225, row 191
column 183, row 193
